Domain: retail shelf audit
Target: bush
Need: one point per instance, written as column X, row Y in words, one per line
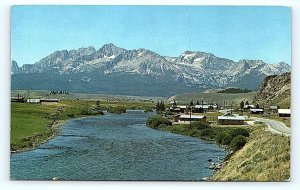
column 238, row 142
column 169, row 113
column 147, row 110
column 156, row 121
column 207, row 133
column 224, row 138
column 86, row 111
column 117, row 110
column 199, row 125
column 239, row 131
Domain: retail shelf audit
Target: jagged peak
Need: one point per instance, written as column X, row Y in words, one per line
column 110, row 46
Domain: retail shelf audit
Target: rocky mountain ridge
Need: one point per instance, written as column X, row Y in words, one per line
column 191, row 71
column 275, row 90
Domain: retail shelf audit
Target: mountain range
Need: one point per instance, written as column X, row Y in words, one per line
column 115, row 70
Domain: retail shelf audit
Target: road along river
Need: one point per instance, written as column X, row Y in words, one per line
column 116, row 147
column 275, row 126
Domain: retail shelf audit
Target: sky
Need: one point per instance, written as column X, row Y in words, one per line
column 233, row 32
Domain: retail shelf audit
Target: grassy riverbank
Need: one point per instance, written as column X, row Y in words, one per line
column 232, row 137
column 33, row 124
column 264, row 157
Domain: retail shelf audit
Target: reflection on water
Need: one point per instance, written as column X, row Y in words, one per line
column 116, row 147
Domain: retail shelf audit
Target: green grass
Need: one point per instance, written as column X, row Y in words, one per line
column 29, row 124
column 265, row 157
column 32, row 124
column 117, row 109
column 207, row 133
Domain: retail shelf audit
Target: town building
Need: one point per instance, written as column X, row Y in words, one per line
column 178, row 109
column 231, row 120
column 256, row 111
column 187, row 118
column 33, row 100
column 249, row 106
column 284, row 112
column 49, row 100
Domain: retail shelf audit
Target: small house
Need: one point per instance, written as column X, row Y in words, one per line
column 249, row 106
column 17, row 99
column 188, row 118
column 284, row 112
column 49, row 100
column 33, row 101
column 178, row 109
column 231, row 120
column 256, row 111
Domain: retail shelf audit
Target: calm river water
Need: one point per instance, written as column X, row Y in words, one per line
column 116, row 147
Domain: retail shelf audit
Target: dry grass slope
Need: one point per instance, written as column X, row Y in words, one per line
column 265, row 157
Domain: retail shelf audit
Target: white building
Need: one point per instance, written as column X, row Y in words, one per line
column 284, row 112
column 34, row 100
column 184, row 118
column 231, row 120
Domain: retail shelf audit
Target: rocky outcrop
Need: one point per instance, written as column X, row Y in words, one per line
column 275, row 90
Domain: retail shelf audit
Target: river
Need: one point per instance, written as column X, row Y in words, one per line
column 116, row 147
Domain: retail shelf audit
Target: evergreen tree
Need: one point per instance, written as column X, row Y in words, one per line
column 98, row 105
column 197, row 103
column 242, row 104
column 174, row 104
column 192, row 103
column 247, row 103
column 162, row 106
column 257, row 106
column 158, row 106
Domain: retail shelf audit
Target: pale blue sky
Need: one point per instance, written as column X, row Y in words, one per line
column 230, row 32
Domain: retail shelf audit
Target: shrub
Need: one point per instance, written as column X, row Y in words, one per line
column 239, row 131
column 147, row 110
column 169, row 113
column 85, row 111
column 199, row 125
column 157, row 120
column 238, row 142
column 208, row 133
column 117, row 110
column 224, row 138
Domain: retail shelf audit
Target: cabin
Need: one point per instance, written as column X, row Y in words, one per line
column 256, row 111
column 231, row 120
column 33, row 100
column 249, row 106
column 18, row 98
column 189, row 118
column 49, row 100
column 284, row 112
column 178, row 109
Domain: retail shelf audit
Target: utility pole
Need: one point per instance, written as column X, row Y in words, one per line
column 190, row 117
column 202, row 107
